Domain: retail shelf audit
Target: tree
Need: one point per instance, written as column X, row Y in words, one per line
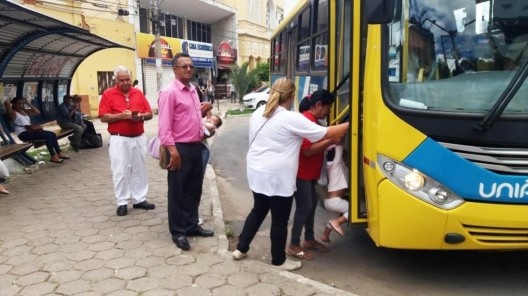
column 241, row 79
column 263, row 71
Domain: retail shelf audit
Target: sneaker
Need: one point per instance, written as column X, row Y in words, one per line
column 237, row 255
column 289, row 265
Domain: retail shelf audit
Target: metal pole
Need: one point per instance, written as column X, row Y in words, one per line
column 159, row 70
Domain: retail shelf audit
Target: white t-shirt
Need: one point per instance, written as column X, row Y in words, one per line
column 273, row 157
column 20, row 122
column 337, row 171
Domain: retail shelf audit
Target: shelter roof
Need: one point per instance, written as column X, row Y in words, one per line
column 35, row 46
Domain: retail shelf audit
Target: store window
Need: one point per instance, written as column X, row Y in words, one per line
column 104, row 81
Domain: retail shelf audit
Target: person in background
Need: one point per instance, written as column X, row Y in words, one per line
column 231, row 92
column 210, row 124
column 135, row 83
column 275, row 138
column 89, row 128
column 125, row 109
column 66, row 114
column 19, row 110
column 210, row 92
column 180, row 131
column 4, row 173
column 314, row 107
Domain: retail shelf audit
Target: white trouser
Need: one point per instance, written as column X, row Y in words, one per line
column 337, row 205
column 129, row 170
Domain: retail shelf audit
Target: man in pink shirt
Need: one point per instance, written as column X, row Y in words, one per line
column 180, row 131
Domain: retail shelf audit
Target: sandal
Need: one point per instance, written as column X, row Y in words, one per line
column 301, row 254
column 315, row 246
column 56, row 161
column 336, row 227
column 64, row 157
column 325, row 240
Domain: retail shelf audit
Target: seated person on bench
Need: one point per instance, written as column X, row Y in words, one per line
column 18, row 110
column 66, row 119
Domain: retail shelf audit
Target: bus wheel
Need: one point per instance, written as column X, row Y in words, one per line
column 260, row 104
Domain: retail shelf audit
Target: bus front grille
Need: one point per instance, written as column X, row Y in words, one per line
column 500, row 160
column 497, row 235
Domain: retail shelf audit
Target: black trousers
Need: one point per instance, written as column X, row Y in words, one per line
column 50, row 139
column 185, row 190
column 280, row 208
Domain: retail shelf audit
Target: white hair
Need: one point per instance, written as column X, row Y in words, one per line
column 120, row 69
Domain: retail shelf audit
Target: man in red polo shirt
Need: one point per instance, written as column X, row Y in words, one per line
column 125, row 108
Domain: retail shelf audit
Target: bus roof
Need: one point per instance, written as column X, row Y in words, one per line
column 301, row 4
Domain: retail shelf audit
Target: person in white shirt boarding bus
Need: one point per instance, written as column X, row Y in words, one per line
column 275, row 137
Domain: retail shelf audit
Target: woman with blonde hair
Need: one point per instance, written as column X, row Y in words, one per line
column 275, row 137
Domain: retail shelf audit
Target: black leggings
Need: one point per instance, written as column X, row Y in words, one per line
column 49, row 137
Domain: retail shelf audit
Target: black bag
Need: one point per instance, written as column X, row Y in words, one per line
column 91, row 141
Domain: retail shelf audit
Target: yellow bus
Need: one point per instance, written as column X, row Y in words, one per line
column 437, row 98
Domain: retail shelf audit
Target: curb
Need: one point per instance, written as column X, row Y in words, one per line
column 223, row 244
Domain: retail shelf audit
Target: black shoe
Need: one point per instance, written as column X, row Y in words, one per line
column 122, row 210
column 201, row 232
column 145, row 205
column 182, row 243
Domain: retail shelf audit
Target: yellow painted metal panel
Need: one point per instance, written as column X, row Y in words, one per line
column 406, row 222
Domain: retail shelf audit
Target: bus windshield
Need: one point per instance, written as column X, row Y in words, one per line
column 458, row 55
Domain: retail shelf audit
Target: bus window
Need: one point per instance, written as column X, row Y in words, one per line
column 303, row 56
column 283, row 52
column 473, row 48
column 304, row 30
column 320, row 60
column 320, row 41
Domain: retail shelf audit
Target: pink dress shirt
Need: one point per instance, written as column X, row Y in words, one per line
column 179, row 114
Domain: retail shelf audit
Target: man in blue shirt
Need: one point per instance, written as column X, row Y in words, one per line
column 65, row 119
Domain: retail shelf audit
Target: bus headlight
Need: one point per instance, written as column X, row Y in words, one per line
column 418, row 184
column 414, row 181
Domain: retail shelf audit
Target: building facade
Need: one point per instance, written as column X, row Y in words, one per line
column 217, row 34
column 106, row 19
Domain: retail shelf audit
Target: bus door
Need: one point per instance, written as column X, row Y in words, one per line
column 344, row 79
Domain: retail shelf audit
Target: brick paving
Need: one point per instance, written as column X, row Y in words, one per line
column 60, row 235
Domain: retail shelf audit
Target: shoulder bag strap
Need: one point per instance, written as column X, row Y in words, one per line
column 262, row 127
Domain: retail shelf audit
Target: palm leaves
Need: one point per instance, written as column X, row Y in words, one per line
column 241, row 79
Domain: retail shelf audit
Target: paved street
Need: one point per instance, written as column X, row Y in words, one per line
column 59, row 235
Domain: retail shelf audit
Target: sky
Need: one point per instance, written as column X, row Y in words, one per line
column 288, row 5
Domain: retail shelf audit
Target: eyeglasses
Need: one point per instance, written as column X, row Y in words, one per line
column 185, row 67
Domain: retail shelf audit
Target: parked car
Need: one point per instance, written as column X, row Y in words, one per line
column 257, row 98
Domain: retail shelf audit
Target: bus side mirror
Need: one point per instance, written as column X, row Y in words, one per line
column 378, row 11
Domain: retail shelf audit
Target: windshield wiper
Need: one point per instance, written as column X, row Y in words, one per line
column 504, row 99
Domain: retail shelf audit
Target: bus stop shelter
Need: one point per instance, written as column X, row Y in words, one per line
column 40, row 54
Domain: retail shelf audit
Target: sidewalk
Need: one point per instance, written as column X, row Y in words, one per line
column 60, row 235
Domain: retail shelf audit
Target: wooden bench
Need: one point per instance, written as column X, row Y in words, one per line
column 10, row 149
column 61, row 133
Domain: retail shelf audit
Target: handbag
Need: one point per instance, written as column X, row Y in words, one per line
column 33, row 128
column 153, row 148
column 157, row 151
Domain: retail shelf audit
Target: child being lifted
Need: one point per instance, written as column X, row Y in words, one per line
column 337, row 190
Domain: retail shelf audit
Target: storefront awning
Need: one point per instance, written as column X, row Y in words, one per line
column 33, row 45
